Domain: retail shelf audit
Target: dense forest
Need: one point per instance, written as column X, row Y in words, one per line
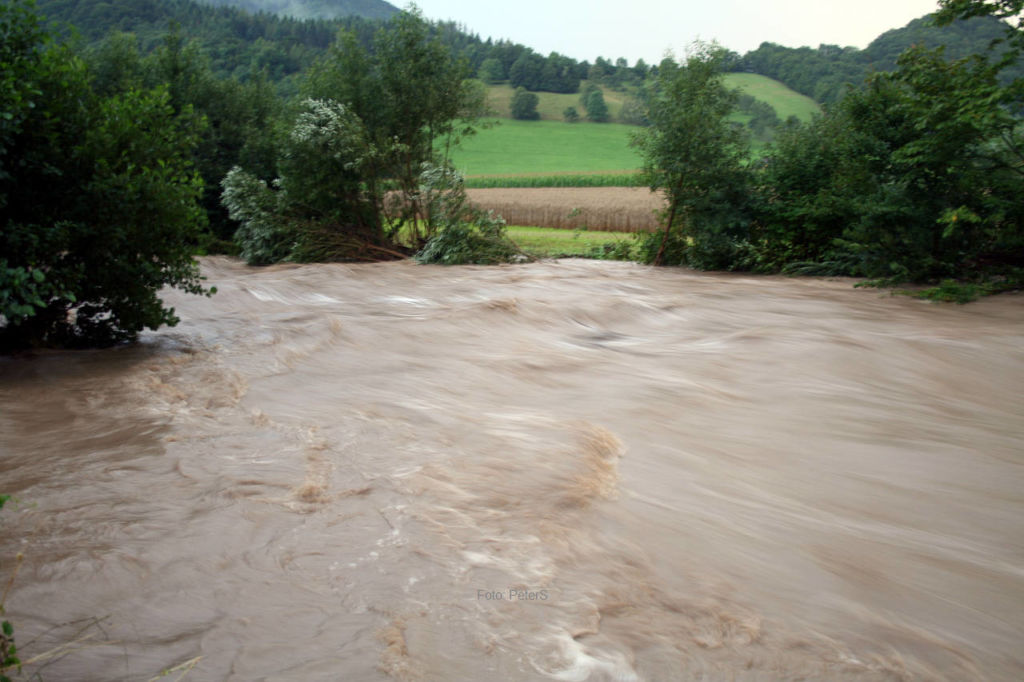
column 314, row 9
column 241, row 44
column 169, row 128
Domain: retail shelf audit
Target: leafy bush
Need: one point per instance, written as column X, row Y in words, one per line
column 696, row 156
column 634, row 112
column 320, row 208
column 592, row 101
column 672, row 248
column 914, row 177
column 462, row 233
column 463, row 243
column 263, row 235
column 620, row 249
column 413, row 99
column 99, row 197
column 524, row 105
column 8, row 649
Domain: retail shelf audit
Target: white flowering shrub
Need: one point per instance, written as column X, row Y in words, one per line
column 264, row 235
column 325, row 204
column 461, row 233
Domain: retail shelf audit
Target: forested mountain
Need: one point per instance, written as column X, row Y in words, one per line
column 822, row 73
column 314, row 9
column 238, row 43
column 242, row 44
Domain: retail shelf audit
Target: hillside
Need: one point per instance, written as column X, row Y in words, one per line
column 238, row 44
column 785, row 101
column 242, row 44
column 823, row 73
column 313, row 9
column 551, row 104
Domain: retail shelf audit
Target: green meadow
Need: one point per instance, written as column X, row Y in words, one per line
column 546, row 148
column 548, row 151
column 551, row 104
column 546, row 242
column 785, row 101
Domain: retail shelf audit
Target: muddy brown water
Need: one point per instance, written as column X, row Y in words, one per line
column 566, row 470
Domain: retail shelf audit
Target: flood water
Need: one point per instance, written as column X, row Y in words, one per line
column 568, row 470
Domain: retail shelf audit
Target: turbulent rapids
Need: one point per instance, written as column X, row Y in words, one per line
column 567, row 470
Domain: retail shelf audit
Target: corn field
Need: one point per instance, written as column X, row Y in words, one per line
column 615, row 209
column 556, row 180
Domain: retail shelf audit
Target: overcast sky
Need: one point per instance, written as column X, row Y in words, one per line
column 586, row 29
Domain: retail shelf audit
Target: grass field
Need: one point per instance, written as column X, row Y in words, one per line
column 545, row 242
column 547, row 147
column 785, row 101
column 551, row 104
column 551, row 147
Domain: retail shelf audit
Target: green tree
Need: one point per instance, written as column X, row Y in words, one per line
column 592, row 101
column 491, row 71
column 412, row 95
column 571, row 115
column 23, row 37
column 634, row 112
column 235, row 122
column 524, row 105
column 695, row 155
column 949, row 167
column 467, row 234
column 100, row 202
column 916, row 176
column 951, row 10
column 811, row 188
column 321, row 207
column 526, row 71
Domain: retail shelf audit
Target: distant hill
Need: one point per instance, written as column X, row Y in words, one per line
column 313, row 9
column 283, row 37
column 784, row 100
column 822, row 73
column 550, row 105
column 238, row 43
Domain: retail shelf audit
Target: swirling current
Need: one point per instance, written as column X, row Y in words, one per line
column 566, row 470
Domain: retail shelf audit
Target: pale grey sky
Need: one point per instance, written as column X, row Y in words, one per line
column 586, row 29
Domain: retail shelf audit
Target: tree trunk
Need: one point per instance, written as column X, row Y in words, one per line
column 668, row 225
